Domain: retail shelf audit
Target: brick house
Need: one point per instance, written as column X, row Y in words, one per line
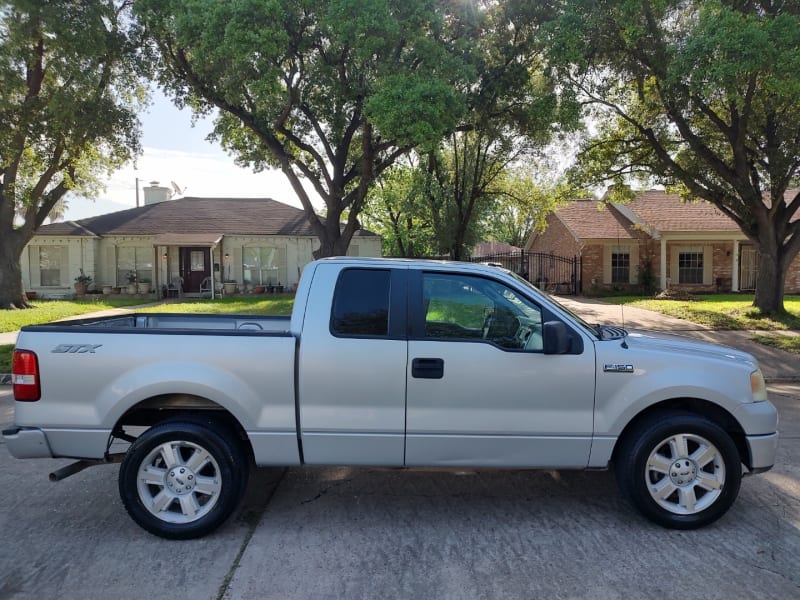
column 687, row 245
column 201, row 241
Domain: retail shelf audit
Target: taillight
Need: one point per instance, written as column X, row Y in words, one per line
column 25, row 376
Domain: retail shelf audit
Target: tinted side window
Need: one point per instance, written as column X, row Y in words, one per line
column 361, row 303
column 463, row 307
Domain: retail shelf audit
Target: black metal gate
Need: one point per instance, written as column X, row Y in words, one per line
column 549, row 272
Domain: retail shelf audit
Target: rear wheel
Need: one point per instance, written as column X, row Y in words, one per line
column 680, row 470
column 183, row 479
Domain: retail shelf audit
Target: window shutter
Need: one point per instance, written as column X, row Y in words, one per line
column 607, row 264
column 673, row 267
column 35, row 266
column 238, row 269
column 708, row 266
column 66, row 280
column 634, row 273
column 280, row 262
column 110, row 268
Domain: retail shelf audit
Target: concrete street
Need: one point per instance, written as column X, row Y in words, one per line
column 367, row 533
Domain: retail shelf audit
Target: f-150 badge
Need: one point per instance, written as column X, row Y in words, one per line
column 615, row 368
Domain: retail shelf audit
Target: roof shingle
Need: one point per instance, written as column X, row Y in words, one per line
column 228, row 216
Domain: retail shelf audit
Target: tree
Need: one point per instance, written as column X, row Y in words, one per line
column 703, row 95
column 68, row 106
column 396, row 209
column 522, row 206
column 331, row 92
column 513, row 109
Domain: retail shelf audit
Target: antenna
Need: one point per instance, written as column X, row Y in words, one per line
column 622, row 305
column 177, row 188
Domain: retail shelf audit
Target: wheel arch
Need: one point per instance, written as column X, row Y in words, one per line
column 697, row 406
column 158, row 409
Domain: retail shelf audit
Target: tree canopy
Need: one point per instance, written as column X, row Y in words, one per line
column 702, row 95
column 331, row 92
column 68, row 102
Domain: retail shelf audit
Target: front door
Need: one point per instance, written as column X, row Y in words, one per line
column 480, row 390
column 195, row 266
column 748, row 267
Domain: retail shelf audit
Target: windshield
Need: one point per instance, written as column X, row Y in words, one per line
column 593, row 329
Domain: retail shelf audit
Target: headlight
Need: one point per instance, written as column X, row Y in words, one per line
column 758, row 386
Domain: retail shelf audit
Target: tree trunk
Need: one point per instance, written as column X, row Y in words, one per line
column 333, row 243
column 772, row 265
column 12, row 294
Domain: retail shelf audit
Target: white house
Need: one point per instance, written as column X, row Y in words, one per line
column 258, row 241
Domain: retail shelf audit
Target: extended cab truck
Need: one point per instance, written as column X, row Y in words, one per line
column 391, row 363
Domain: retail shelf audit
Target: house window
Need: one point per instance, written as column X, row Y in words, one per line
column 49, row 260
column 264, row 265
column 690, row 265
column 620, row 265
column 138, row 260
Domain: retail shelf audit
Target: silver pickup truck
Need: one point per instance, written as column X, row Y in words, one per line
column 397, row 364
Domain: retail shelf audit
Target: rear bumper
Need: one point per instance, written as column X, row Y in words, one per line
column 763, row 449
column 27, row 443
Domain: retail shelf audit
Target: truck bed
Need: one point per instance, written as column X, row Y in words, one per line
column 174, row 322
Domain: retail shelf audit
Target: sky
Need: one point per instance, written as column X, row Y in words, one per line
column 177, row 151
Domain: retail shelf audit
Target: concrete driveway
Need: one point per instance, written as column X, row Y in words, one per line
column 367, row 533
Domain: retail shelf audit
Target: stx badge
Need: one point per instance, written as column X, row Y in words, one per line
column 75, row 348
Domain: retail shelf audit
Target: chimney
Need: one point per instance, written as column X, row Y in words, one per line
column 154, row 193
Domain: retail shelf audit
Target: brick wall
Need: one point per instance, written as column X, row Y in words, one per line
column 556, row 239
column 792, row 283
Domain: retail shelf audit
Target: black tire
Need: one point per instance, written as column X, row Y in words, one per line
column 680, row 470
column 194, row 494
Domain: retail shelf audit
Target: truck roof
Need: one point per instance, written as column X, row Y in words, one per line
column 422, row 262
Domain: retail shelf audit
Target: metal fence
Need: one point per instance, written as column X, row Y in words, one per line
column 549, row 272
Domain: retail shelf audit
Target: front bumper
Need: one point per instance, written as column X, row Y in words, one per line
column 27, row 443
column 763, row 449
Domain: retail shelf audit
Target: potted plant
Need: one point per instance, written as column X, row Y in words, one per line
column 106, row 290
column 144, row 285
column 82, row 282
column 131, row 277
column 229, row 286
column 259, row 289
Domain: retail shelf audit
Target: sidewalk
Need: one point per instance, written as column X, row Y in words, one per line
column 777, row 365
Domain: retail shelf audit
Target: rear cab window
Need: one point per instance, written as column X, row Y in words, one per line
column 361, row 303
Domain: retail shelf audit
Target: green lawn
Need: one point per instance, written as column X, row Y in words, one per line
column 720, row 311
column 783, row 342
column 45, row 311
column 5, row 357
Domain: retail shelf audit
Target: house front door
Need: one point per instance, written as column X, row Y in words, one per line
column 748, row 268
column 195, row 266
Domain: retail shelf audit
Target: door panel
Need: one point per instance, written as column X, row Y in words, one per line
column 352, row 367
column 195, row 266
column 500, row 401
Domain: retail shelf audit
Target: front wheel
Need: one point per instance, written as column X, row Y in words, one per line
column 182, row 479
column 680, row 470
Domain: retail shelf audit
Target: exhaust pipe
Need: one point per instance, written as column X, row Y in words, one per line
column 79, row 466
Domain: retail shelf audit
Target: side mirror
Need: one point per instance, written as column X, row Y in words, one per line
column 555, row 338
